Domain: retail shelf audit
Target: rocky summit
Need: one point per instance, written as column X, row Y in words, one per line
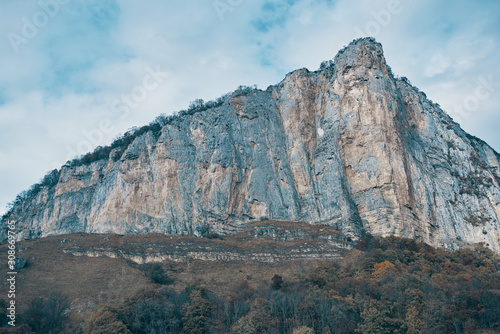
column 350, row 146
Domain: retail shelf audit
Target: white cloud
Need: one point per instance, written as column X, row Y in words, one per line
column 438, row 64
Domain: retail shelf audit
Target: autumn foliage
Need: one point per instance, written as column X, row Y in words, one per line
column 387, row 285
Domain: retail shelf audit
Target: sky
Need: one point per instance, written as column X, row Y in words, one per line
column 74, row 74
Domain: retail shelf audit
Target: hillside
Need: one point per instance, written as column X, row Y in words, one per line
column 385, row 285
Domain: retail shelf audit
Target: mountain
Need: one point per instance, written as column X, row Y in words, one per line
column 349, row 145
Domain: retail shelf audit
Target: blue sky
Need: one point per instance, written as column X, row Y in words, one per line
column 68, row 65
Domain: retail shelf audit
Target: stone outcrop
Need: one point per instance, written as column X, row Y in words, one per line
column 349, row 146
column 267, row 242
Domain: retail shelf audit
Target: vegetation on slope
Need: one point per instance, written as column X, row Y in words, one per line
column 387, row 285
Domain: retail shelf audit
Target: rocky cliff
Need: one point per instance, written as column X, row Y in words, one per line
column 268, row 242
column 349, row 146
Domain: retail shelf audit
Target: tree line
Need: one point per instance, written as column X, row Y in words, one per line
column 386, row 285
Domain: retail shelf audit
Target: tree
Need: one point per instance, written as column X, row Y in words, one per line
column 238, row 305
column 104, row 321
column 196, row 105
column 244, row 326
column 380, row 269
column 155, row 317
column 377, row 318
column 413, row 318
column 47, row 315
column 413, row 321
column 325, row 64
column 303, row 330
column 261, row 316
column 197, row 313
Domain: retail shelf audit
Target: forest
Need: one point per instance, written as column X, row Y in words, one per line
column 385, row 285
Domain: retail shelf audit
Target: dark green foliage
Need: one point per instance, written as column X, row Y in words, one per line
column 149, row 311
column 48, row 181
column 451, row 144
column 3, row 312
column 326, row 64
column 155, row 317
column 156, row 273
column 205, row 230
column 121, row 143
column 244, row 90
column 197, row 104
column 47, row 315
column 277, row 282
column 406, row 81
column 197, row 313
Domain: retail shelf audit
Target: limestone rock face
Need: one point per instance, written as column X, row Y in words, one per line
column 349, row 146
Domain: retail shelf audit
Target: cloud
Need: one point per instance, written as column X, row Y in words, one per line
column 438, row 64
column 63, row 82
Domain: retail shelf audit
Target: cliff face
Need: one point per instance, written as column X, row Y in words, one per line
column 348, row 146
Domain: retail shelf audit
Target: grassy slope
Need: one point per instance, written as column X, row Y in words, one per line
column 92, row 281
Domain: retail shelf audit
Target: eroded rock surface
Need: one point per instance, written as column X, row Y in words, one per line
column 349, row 146
column 268, row 242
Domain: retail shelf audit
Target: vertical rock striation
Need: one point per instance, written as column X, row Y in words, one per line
column 349, row 146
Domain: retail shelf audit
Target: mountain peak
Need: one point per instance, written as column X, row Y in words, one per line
column 352, row 149
column 363, row 45
column 365, row 52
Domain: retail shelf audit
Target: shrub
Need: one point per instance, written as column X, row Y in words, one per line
column 205, row 230
column 47, row 315
column 156, row 273
column 245, row 325
column 303, row 330
column 326, row 64
column 197, row 314
column 378, row 318
column 277, row 282
column 104, row 321
column 3, row 312
column 155, row 317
